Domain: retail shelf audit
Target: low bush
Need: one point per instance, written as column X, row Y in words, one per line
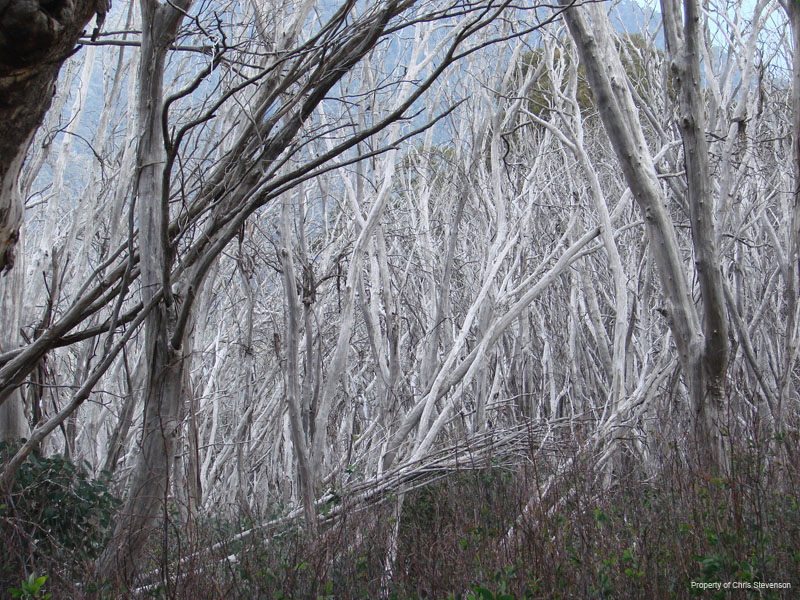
column 487, row 534
column 56, row 519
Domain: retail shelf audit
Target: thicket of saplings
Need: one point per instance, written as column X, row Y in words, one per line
column 490, row 533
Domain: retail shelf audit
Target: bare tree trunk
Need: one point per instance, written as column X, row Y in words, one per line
column 165, row 361
column 704, row 361
column 13, row 424
column 149, row 486
column 707, row 376
column 300, row 436
column 792, row 289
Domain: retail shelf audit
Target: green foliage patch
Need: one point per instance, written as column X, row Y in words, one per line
column 56, row 516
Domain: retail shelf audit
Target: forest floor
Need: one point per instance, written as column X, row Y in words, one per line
column 485, row 534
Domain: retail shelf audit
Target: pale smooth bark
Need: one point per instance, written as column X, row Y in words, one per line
column 13, row 422
column 792, row 284
column 709, row 368
column 164, row 373
column 703, row 349
column 299, row 432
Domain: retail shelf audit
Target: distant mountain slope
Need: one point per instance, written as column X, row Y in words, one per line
column 631, row 17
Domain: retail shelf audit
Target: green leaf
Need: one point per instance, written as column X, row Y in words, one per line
column 39, row 582
column 485, row 594
column 627, row 555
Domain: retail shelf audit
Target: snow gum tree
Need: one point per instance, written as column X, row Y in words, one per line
column 283, row 258
column 228, row 115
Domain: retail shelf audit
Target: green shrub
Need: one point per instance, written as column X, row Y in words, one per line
column 32, row 588
column 56, row 516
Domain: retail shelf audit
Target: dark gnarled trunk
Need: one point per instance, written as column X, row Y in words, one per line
column 35, row 40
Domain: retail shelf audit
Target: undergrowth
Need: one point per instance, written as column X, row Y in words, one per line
column 54, row 522
column 502, row 534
